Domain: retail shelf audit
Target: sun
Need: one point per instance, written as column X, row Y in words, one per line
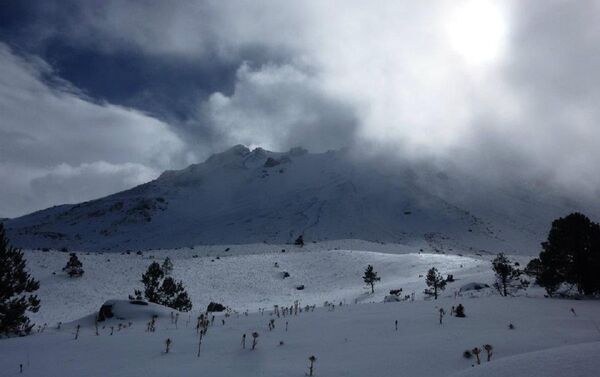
column 476, row 30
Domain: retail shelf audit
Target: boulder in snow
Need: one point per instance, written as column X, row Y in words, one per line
column 392, row 298
column 473, row 287
column 131, row 310
column 284, row 274
column 215, row 307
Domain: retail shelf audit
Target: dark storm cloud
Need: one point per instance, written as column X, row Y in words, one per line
column 106, row 66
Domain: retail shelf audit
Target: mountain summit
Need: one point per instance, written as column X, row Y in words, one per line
column 255, row 196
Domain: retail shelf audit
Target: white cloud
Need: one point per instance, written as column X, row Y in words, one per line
column 72, row 184
column 47, row 132
column 279, row 107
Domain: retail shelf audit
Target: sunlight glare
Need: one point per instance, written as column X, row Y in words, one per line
column 477, row 31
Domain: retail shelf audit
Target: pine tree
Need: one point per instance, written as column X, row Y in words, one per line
column 167, row 266
column 533, row 268
column 435, row 281
column 173, row 295
column 74, row 266
column 507, row 275
column 570, row 255
column 151, row 280
column 370, row 277
column 164, row 290
column 16, row 286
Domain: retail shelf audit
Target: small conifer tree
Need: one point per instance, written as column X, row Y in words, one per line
column 167, row 266
column 74, row 267
column 299, row 241
column 174, row 295
column 152, row 279
column 507, row 275
column 163, row 290
column 370, row 277
column 435, row 281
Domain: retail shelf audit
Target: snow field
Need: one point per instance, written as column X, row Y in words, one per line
column 242, row 282
column 352, row 340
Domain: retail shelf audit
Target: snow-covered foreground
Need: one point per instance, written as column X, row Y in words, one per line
column 240, row 279
column 357, row 338
column 352, row 340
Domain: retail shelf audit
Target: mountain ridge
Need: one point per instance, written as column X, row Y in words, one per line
column 249, row 196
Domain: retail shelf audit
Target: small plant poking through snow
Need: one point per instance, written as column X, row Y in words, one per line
column 460, row 311
column 254, row 339
column 167, row 266
column 488, row 349
column 476, row 351
column 467, row 354
column 312, row 360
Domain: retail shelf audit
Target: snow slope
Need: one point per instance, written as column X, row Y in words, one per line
column 244, row 278
column 579, row 360
column 352, row 340
column 242, row 196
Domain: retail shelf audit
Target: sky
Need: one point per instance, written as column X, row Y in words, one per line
column 99, row 96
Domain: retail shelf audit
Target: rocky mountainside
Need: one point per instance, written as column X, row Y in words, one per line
column 244, row 196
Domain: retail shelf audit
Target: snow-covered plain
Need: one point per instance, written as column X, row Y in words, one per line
column 350, row 340
column 245, row 277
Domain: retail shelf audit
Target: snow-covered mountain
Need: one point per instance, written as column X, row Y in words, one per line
column 244, row 196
